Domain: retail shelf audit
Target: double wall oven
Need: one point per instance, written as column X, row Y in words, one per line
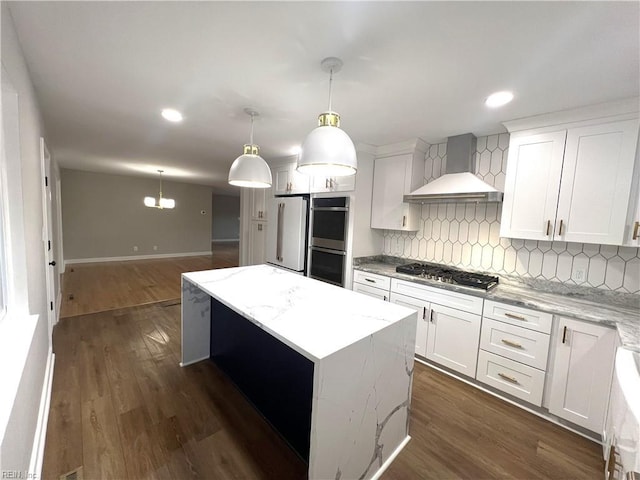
column 329, row 222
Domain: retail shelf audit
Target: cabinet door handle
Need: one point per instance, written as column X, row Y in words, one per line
column 560, row 229
column 424, row 313
column 636, row 226
column 564, row 334
column 508, row 378
column 259, row 227
column 384, row 297
column 431, row 316
column 514, row 316
column 548, row 227
column 326, row 183
column 404, row 220
column 511, row 343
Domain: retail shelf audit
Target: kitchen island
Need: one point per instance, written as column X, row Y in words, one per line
column 329, row 368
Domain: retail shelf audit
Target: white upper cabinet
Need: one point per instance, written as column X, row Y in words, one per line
column 333, row 184
column 287, row 180
column 531, row 186
column 258, row 197
column 571, row 184
column 596, row 183
column 396, row 175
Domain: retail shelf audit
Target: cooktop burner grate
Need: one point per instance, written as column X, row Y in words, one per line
column 446, row 274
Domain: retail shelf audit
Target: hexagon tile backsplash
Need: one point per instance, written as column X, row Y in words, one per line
column 467, row 236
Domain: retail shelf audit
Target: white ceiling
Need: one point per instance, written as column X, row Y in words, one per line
column 103, row 70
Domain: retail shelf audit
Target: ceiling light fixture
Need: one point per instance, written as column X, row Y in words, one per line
column 328, row 150
column 498, row 99
column 249, row 169
column 162, row 202
column 171, row 115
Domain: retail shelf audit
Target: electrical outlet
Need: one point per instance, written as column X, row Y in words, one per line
column 135, row 248
column 579, row 274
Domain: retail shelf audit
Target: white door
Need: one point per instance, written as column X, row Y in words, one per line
column 453, row 339
column 422, row 327
column 286, row 238
column 47, row 235
column 596, row 183
column 582, row 372
column 531, row 186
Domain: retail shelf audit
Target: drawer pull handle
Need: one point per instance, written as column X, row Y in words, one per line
column 508, row 378
column 636, row 226
column 510, row 343
column 514, row 316
column 384, row 297
column 369, row 280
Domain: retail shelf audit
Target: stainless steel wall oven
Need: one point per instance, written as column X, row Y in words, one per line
column 329, row 223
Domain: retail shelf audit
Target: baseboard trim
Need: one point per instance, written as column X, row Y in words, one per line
column 135, row 257
column 191, row 362
column 222, row 240
column 37, row 451
column 391, row 458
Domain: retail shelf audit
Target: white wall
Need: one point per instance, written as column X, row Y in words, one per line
column 17, row 434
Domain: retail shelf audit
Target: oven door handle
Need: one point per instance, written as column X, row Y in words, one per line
column 331, row 209
column 327, row 250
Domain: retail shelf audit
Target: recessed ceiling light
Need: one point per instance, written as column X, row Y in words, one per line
column 171, row 115
column 498, row 99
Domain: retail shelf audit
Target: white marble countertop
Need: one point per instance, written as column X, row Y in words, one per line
column 314, row 318
column 608, row 308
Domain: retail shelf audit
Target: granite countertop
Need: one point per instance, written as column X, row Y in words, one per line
column 314, row 318
column 591, row 304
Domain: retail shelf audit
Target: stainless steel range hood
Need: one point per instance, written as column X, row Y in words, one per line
column 458, row 184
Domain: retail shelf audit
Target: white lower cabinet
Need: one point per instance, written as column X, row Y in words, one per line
column 452, row 339
column 521, row 381
column 424, row 310
column 514, row 347
column 582, row 373
column 372, row 284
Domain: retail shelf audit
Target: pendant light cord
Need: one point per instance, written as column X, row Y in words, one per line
column 251, row 135
column 330, row 85
column 160, row 172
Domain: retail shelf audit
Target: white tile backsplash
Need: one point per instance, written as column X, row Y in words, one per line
column 467, row 235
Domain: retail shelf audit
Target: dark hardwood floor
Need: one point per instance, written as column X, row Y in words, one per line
column 122, row 407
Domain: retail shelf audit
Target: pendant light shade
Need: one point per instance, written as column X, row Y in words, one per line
column 328, row 150
column 249, row 169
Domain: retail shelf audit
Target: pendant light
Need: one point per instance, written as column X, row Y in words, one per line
column 162, row 202
column 328, row 150
column 249, row 169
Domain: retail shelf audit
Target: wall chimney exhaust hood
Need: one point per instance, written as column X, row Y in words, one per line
column 458, row 184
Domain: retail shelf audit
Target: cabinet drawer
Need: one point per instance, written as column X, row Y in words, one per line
column 371, row 279
column 517, row 343
column 522, row 317
column 371, row 291
column 521, row 381
column 459, row 301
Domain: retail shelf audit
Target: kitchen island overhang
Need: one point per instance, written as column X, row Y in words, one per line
column 361, row 352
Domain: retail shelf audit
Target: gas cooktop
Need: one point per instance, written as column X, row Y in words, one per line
column 446, row 274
